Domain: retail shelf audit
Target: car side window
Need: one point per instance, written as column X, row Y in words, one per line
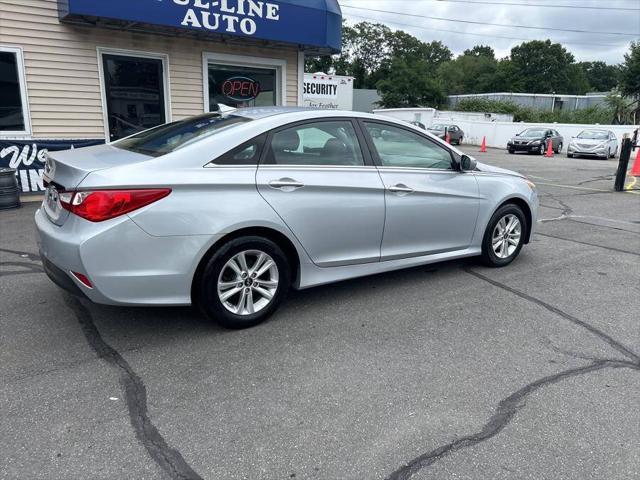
column 246, row 154
column 316, row 143
column 398, row 147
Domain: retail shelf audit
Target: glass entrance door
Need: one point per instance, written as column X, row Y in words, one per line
column 134, row 89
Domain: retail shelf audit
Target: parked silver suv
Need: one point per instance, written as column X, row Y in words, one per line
column 228, row 211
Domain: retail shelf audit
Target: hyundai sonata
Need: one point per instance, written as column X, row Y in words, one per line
column 228, row 211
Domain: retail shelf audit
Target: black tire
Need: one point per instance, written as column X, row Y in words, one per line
column 510, row 150
column 569, row 155
column 543, row 148
column 557, row 150
column 460, row 141
column 488, row 257
column 207, row 290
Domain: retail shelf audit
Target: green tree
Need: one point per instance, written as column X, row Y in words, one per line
column 630, row 73
column 577, row 81
column 480, row 51
column 601, row 77
column 541, row 67
column 472, row 72
column 410, row 84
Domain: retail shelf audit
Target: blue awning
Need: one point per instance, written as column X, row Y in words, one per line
column 314, row 25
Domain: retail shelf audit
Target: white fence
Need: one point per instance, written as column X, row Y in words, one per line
column 498, row 133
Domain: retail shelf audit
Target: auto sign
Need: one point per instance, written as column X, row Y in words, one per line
column 241, row 89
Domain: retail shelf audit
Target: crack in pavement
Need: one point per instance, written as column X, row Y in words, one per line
column 613, row 249
column 508, row 407
column 598, row 179
column 30, row 268
column 135, row 393
column 29, row 255
column 626, row 351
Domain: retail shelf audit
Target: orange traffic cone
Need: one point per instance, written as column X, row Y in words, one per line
column 483, row 147
column 635, row 170
column 549, row 149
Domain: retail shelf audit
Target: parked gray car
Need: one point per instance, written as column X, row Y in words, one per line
column 441, row 130
column 593, row 142
column 228, row 211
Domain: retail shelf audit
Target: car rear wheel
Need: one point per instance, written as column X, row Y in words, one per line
column 504, row 236
column 244, row 282
column 559, row 148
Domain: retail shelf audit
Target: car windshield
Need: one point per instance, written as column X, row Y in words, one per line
column 533, row 133
column 437, row 127
column 594, row 134
column 172, row 136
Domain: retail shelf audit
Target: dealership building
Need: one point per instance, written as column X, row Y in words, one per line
column 80, row 72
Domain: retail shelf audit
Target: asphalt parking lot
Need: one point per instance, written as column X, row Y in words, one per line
column 449, row 371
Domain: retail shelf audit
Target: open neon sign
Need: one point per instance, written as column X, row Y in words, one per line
column 241, row 89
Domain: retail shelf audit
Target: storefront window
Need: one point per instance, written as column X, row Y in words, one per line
column 12, row 118
column 134, row 89
column 241, row 86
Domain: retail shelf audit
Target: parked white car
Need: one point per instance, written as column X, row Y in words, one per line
column 593, row 142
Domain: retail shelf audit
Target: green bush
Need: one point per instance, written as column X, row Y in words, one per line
column 598, row 114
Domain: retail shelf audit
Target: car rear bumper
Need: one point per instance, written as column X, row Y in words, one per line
column 60, row 277
column 147, row 271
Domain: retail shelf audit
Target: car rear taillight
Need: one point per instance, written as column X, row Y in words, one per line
column 101, row 205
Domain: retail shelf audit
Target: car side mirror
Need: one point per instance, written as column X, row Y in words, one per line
column 467, row 163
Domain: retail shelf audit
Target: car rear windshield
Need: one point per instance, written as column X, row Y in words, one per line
column 437, row 127
column 594, row 134
column 167, row 138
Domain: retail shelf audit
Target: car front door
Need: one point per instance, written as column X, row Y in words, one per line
column 430, row 207
column 324, row 186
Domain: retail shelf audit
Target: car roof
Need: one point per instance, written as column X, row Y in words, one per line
column 256, row 113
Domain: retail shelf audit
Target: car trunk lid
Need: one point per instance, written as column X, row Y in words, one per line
column 65, row 170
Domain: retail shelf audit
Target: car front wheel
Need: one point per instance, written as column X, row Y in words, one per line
column 504, row 236
column 244, row 282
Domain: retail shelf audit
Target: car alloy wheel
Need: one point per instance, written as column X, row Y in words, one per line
column 248, row 282
column 243, row 282
column 506, row 236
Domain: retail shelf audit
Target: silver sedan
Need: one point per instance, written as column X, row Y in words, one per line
column 229, row 211
column 593, row 142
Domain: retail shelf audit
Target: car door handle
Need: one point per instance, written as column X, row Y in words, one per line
column 400, row 188
column 287, row 184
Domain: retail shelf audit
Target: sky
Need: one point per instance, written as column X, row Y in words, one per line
column 589, row 45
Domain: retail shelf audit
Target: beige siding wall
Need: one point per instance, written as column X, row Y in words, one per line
column 62, row 73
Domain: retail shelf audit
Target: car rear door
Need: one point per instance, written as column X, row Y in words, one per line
column 430, row 207
column 557, row 139
column 324, row 186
